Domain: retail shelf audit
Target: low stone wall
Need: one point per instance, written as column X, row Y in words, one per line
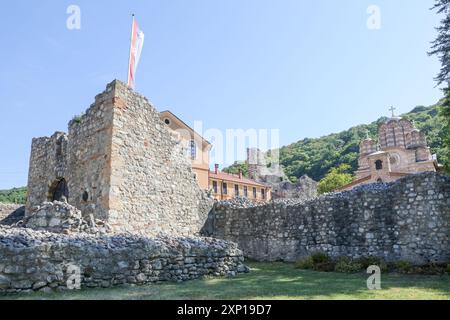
column 405, row 220
column 39, row 260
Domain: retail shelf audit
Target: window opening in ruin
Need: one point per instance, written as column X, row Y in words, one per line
column 59, row 191
column 85, row 196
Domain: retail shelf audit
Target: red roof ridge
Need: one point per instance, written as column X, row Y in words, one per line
column 234, row 177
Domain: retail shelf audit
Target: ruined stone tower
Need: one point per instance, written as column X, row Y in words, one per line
column 120, row 164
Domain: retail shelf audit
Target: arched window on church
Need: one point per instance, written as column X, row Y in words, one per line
column 379, row 165
column 193, row 149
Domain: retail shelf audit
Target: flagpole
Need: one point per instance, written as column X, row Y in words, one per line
column 131, row 47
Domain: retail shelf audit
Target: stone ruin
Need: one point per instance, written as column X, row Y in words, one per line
column 405, row 220
column 114, row 201
column 273, row 175
column 119, row 164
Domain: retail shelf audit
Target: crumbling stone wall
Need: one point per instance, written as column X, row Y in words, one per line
column 120, row 164
column 405, row 220
column 48, row 164
column 152, row 183
column 38, row 260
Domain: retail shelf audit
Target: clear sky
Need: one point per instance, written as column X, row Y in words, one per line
column 307, row 68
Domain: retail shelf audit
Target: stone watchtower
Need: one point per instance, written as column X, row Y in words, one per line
column 120, row 164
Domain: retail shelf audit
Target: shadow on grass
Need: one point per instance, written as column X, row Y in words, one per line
column 273, row 281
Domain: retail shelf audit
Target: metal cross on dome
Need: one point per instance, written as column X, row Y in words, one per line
column 392, row 109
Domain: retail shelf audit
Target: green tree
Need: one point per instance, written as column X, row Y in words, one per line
column 441, row 48
column 234, row 168
column 336, row 178
column 15, row 195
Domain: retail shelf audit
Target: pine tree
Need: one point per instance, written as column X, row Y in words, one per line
column 441, row 48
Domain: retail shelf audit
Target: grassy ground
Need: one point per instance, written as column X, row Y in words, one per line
column 273, row 281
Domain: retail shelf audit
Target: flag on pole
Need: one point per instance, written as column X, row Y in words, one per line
column 137, row 41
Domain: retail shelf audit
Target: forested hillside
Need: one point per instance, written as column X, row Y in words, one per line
column 316, row 157
column 16, row 195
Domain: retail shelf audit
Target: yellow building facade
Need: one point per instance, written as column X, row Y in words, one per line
column 197, row 147
column 224, row 186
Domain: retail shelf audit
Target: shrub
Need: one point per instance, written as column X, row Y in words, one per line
column 77, row 118
column 320, row 257
column 324, row 266
column 373, row 261
column 347, row 265
column 403, row 266
column 318, row 261
column 305, row 263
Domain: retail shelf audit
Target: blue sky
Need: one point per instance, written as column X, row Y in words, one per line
column 308, row 68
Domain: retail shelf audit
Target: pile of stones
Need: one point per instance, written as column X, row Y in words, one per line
column 61, row 217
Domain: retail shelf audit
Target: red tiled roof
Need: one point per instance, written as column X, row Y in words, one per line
column 233, row 178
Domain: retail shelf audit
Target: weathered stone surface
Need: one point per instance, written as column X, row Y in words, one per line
column 40, row 260
column 405, row 220
column 61, row 217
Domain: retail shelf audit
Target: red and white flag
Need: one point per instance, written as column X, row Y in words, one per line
column 137, row 41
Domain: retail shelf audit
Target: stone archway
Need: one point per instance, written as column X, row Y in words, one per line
column 58, row 191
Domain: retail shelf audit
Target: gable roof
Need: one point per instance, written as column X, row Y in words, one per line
column 197, row 135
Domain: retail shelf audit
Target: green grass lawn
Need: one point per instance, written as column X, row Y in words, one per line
column 273, row 281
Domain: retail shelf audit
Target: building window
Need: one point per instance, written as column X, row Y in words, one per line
column 245, row 191
column 215, row 186
column 166, row 121
column 225, row 188
column 254, row 193
column 380, row 180
column 193, row 149
column 263, row 194
column 236, row 190
column 379, row 165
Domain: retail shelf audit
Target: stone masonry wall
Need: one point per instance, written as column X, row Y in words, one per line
column 48, row 163
column 38, row 260
column 405, row 220
column 89, row 157
column 153, row 188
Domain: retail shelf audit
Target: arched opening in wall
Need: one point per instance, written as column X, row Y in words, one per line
column 379, row 165
column 380, row 180
column 58, row 190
